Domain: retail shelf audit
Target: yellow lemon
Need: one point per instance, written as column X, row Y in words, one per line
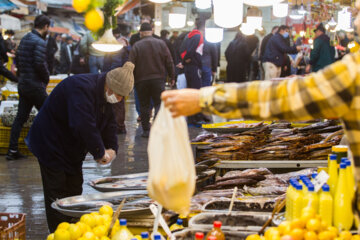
column 307, row 214
column 326, row 235
column 104, row 238
column 297, row 223
column 98, row 220
column 81, row 5
column 253, row 237
column 310, row 236
column 82, row 226
column 88, row 220
column 284, row 227
column 334, row 230
column 50, row 237
column 272, row 232
column 297, row 234
column 100, row 231
column 345, row 235
column 63, row 225
column 106, row 210
column 94, row 20
column 313, row 225
column 75, row 231
column 89, row 236
column 61, row 234
column 355, row 237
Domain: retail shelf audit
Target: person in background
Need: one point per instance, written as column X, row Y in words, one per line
column 191, row 55
column 174, row 36
column 152, row 61
column 238, row 57
column 66, row 56
column 179, row 67
column 136, row 37
column 33, row 79
column 209, row 61
column 253, row 44
column 51, row 49
column 57, row 54
column 276, row 48
column 78, row 65
column 9, row 42
column 77, row 118
column 112, row 61
column 164, row 35
column 93, row 57
column 322, row 54
column 4, row 59
column 263, row 44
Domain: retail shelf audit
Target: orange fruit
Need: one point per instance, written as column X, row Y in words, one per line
column 94, row 20
column 313, row 225
column 297, row 223
column 106, row 210
column 310, row 235
column 286, row 237
column 297, row 234
column 253, row 237
column 345, row 235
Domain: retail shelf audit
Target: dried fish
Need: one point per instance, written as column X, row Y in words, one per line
column 225, row 149
column 263, row 191
column 210, row 163
column 82, row 206
column 328, row 129
column 232, row 183
column 203, row 137
column 201, row 168
column 317, row 126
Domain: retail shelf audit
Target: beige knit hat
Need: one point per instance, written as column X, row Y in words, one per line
column 121, row 80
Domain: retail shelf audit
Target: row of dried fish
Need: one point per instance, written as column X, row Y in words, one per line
column 276, row 141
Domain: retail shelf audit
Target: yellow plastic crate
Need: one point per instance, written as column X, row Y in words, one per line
column 5, row 94
column 5, row 139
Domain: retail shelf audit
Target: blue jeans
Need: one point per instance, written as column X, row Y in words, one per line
column 95, row 64
column 206, row 76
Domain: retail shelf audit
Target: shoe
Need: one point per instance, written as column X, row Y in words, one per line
column 14, row 155
column 145, row 134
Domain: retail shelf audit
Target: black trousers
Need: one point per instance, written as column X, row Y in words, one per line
column 147, row 90
column 6, row 73
column 27, row 99
column 58, row 184
column 193, row 80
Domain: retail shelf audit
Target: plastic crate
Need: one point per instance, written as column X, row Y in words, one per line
column 12, row 226
column 5, row 139
column 5, row 94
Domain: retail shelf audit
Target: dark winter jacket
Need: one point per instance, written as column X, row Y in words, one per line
column 152, row 60
column 3, row 56
column 117, row 59
column 31, row 61
column 65, row 58
column 192, row 48
column 263, row 45
column 322, row 54
column 170, row 47
column 75, row 119
column 210, row 56
column 275, row 50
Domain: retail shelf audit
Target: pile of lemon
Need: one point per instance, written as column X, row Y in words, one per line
column 308, row 227
column 94, row 18
column 93, row 226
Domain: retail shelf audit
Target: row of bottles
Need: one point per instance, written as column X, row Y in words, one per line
column 214, row 234
column 333, row 203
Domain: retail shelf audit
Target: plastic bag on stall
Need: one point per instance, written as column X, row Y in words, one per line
column 171, row 180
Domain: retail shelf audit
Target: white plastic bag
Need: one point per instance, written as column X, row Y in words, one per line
column 181, row 81
column 171, row 180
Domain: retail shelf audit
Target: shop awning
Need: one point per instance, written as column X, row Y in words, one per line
column 9, row 22
column 22, row 8
column 130, row 4
column 6, row 5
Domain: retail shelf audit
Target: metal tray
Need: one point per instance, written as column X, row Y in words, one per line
column 238, row 223
column 188, row 234
column 100, row 197
column 266, row 206
column 107, row 184
column 272, row 164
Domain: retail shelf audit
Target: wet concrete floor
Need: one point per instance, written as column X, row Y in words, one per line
column 20, row 181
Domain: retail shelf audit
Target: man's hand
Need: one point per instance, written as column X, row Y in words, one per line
column 188, row 60
column 172, row 83
column 180, row 66
column 184, row 102
column 108, row 157
column 298, row 48
column 308, row 68
column 82, row 61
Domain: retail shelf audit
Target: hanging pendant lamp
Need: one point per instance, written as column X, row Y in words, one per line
column 262, row 3
column 228, row 13
column 203, row 4
column 107, row 42
column 213, row 33
column 177, row 16
column 280, row 10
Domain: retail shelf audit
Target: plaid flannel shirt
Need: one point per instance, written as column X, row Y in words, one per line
column 331, row 93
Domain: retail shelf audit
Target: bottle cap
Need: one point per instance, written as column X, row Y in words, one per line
column 311, row 187
column 299, row 187
column 326, row 188
column 339, row 148
column 302, row 177
column 333, row 157
column 199, row 235
column 144, row 235
column 343, row 165
column 314, row 175
column 217, row 224
column 179, row 221
column 157, row 237
column 123, row 222
column 348, row 163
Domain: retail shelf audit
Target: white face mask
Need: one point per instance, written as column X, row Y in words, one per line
column 111, row 98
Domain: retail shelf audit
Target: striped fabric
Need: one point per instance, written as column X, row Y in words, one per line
column 331, row 93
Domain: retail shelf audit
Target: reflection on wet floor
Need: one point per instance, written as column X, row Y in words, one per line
column 20, row 181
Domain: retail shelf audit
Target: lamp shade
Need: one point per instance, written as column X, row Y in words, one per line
column 203, row 4
column 214, row 34
column 254, row 22
column 344, row 19
column 177, row 16
column 107, row 43
column 280, row 10
column 246, row 29
column 160, row 1
column 294, row 14
column 262, row 3
column 228, row 13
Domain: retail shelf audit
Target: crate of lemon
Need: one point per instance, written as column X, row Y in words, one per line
column 308, row 227
column 93, row 226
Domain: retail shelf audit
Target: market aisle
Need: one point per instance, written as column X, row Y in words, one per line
column 20, row 181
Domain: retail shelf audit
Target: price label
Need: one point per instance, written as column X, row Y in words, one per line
column 320, row 180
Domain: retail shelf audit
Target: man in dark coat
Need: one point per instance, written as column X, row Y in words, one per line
column 3, row 59
column 66, row 55
column 51, row 49
column 275, row 51
column 322, row 54
column 164, row 35
column 75, row 119
column 152, row 61
column 33, row 79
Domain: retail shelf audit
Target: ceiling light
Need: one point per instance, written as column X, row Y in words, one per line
column 157, row 23
column 280, row 10
column 246, row 29
column 262, row 3
column 302, row 10
column 228, row 13
column 177, row 16
column 213, row 33
column 332, row 22
column 160, row 1
column 344, row 19
column 203, row 4
column 107, row 43
column 190, row 23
